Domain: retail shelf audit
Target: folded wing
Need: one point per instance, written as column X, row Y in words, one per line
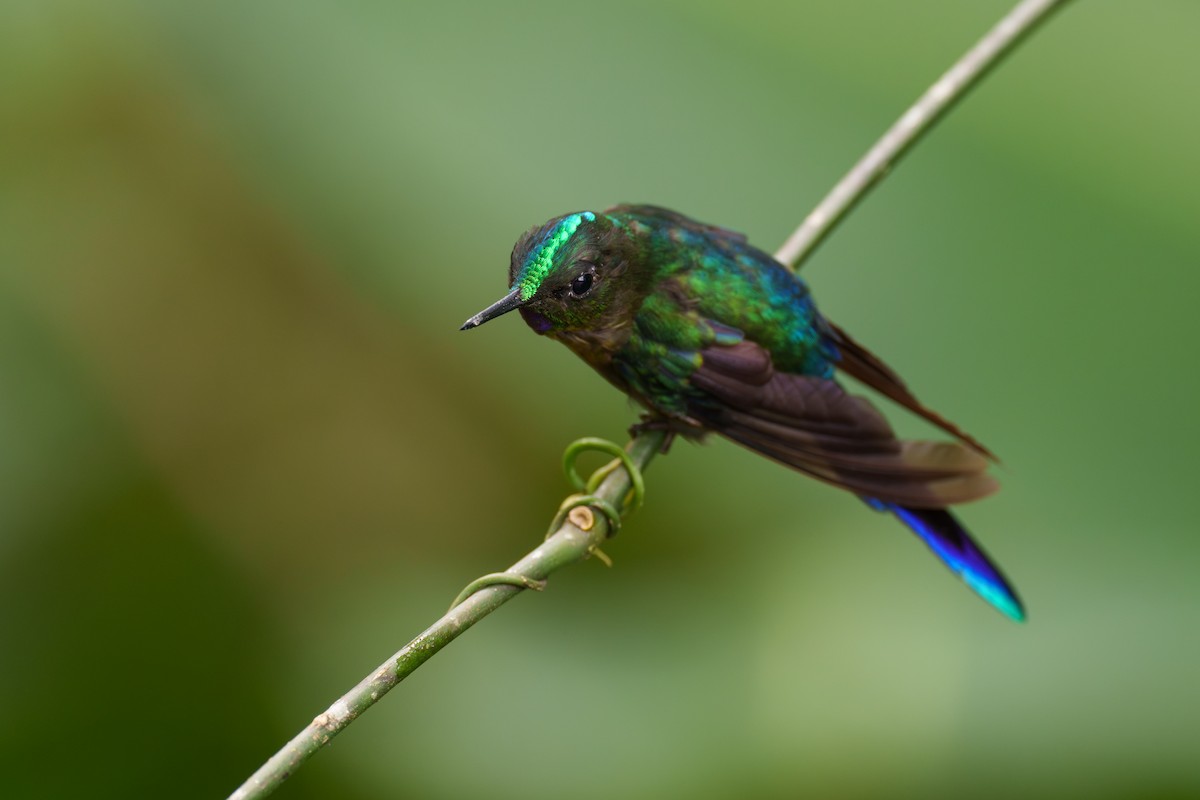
column 813, row 425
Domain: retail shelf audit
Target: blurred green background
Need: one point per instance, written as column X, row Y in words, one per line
column 245, row 453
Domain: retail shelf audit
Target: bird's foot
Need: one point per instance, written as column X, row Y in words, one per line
column 656, row 422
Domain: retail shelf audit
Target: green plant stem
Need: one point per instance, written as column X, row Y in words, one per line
column 565, row 546
column 570, row 543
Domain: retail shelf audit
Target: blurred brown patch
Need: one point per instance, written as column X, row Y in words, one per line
column 284, row 410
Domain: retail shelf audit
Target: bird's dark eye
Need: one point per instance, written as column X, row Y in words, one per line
column 581, row 284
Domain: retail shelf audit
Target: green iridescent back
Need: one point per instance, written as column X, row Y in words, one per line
column 710, row 287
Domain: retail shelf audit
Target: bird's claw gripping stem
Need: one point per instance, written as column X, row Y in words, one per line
column 673, row 427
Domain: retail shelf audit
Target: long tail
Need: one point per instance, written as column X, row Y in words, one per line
column 949, row 540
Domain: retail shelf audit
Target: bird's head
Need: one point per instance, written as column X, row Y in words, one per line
column 565, row 275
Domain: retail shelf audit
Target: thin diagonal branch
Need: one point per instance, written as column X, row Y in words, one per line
column 570, row 542
column 929, row 108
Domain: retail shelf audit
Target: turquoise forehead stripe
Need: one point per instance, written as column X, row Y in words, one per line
column 538, row 264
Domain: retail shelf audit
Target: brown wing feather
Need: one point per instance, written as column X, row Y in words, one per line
column 813, row 425
column 861, row 364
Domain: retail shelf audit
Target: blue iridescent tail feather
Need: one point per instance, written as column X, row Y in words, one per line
column 949, row 540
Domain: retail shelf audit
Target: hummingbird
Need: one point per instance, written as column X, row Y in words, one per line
column 712, row 335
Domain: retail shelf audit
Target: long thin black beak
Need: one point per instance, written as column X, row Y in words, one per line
column 502, row 306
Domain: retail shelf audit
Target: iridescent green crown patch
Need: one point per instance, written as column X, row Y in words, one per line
column 541, row 258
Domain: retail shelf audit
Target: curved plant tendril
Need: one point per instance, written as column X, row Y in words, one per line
column 585, row 497
column 495, row 579
column 579, row 446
